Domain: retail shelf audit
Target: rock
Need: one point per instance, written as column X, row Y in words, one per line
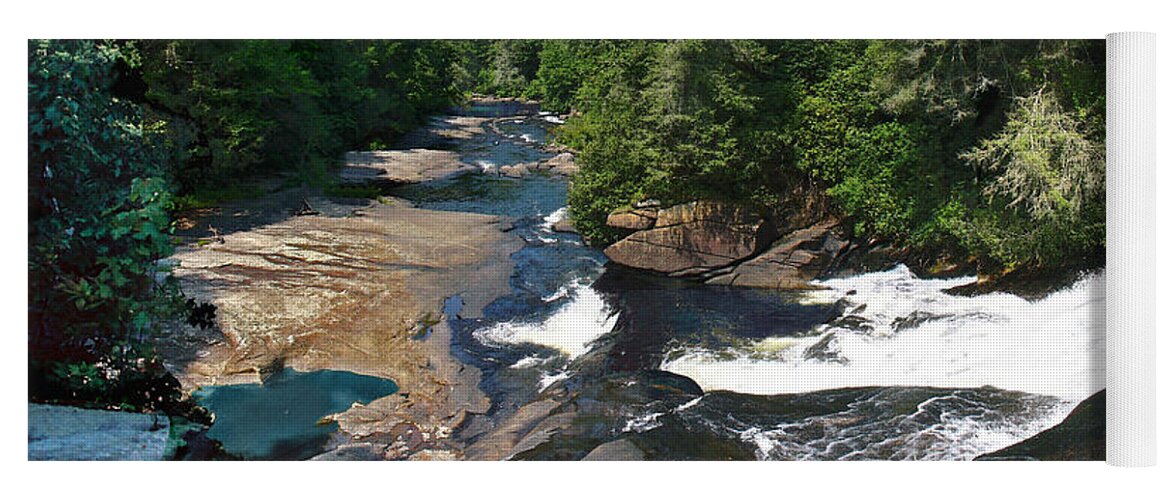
column 360, row 452
column 519, row 170
column 68, row 433
column 637, row 219
column 402, row 166
column 567, row 425
column 564, row 226
column 825, row 349
column 621, row 450
column 693, row 239
column 344, row 293
column 443, row 132
column 562, row 164
column 1027, row 283
column 794, row 260
column 1081, row 436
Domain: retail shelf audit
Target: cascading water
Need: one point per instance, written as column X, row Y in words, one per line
column 583, row 318
column 900, row 330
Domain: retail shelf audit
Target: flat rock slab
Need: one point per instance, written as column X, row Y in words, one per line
column 68, row 433
column 342, row 293
column 362, row 293
column 443, row 132
column 407, row 166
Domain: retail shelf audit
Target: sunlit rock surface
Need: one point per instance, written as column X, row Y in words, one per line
column 359, row 292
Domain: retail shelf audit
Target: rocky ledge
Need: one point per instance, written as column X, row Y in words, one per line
column 354, row 287
column 690, row 239
column 407, row 166
column 726, row 245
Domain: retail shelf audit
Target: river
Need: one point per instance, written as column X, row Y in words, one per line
column 880, row 366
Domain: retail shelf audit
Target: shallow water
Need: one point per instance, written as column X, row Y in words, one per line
column 278, row 420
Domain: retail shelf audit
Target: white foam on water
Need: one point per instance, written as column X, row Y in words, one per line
column 562, row 292
column 486, row 167
column 553, row 119
column 958, row 435
column 529, row 362
column 643, row 423
column 527, row 138
column 1053, row 346
column 557, row 216
column 570, row 329
column 548, row 379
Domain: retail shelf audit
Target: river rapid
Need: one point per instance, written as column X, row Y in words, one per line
column 876, row 366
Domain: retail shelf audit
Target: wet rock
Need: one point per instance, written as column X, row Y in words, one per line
column 562, row 164
column 360, row 452
column 519, row 170
column 791, row 262
column 1026, row 283
column 693, row 239
column 1081, row 436
column 915, row 319
column 619, row 450
column 68, row 433
column 854, row 323
column 564, row 226
column 825, row 349
column 501, row 442
column 569, row 424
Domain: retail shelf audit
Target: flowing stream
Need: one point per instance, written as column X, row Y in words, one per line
column 876, row 366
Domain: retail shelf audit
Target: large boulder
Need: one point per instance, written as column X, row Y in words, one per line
column 794, row 260
column 695, row 238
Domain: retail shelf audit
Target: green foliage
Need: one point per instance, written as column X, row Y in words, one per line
column 921, row 143
column 1050, row 183
column 509, row 67
column 564, row 65
column 236, row 109
column 98, row 219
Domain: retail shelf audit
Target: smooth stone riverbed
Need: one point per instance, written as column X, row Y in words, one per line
column 278, row 420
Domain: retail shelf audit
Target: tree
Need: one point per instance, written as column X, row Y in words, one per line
column 97, row 222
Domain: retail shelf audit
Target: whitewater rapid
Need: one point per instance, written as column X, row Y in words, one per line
column 900, row 330
column 571, row 328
